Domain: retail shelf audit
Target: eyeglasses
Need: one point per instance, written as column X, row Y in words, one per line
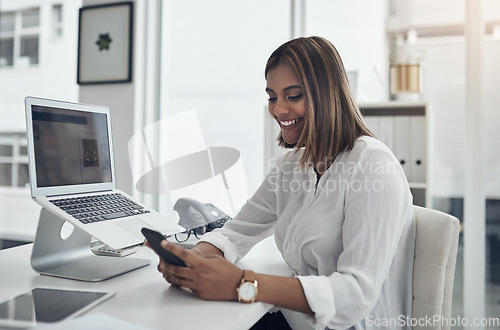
column 184, row 236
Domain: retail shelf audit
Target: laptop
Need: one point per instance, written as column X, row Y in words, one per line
column 72, row 174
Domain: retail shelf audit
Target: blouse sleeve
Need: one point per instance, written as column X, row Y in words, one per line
column 374, row 222
column 252, row 224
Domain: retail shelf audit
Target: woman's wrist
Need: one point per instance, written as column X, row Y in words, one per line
column 198, row 250
column 206, row 249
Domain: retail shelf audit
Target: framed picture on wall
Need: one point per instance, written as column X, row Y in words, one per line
column 105, row 44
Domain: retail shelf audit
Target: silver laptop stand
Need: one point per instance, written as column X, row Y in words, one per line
column 71, row 257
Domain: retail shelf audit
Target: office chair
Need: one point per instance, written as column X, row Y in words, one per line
column 434, row 267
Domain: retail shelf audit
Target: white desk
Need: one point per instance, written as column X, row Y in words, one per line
column 143, row 297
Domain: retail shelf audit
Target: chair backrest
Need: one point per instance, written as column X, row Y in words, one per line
column 434, row 267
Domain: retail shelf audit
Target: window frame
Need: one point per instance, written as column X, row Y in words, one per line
column 17, row 141
column 57, row 20
column 17, row 35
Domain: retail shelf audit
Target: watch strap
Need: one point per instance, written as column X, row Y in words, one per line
column 248, row 276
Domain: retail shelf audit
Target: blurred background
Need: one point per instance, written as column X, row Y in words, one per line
column 426, row 67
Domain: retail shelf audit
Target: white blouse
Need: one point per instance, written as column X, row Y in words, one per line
column 349, row 236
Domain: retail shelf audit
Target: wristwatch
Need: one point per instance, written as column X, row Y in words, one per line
column 247, row 291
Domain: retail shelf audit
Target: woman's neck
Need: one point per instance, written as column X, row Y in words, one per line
column 320, row 169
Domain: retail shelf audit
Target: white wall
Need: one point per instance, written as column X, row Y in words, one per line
column 446, row 98
column 357, row 29
column 216, row 52
column 445, row 57
column 437, row 14
column 492, row 117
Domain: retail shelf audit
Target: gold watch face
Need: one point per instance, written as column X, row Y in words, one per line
column 247, row 291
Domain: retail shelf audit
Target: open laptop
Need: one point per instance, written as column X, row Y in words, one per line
column 72, row 174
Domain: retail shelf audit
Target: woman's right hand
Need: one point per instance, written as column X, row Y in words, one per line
column 210, row 277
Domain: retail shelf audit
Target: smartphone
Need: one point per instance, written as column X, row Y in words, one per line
column 154, row 238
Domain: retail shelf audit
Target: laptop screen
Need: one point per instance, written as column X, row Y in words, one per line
column 71, row 147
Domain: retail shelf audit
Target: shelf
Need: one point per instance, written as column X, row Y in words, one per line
column 393, row 109
column 403, row 127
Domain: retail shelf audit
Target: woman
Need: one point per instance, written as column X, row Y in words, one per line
column 338, row 204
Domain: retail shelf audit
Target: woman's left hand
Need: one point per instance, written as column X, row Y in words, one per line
column 210, row 278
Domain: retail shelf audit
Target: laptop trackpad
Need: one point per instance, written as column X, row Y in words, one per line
column 134, row 226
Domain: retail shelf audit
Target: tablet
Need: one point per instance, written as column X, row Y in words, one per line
column 43, row 305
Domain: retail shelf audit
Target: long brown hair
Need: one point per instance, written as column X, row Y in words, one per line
column 333, row 121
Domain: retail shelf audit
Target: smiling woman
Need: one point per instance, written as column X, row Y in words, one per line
column 287, row 103
column 314, row 80
column 346, row 232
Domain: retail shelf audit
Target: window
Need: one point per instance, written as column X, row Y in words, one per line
column 7, row 21
column 57, row 20
column 30, row 18
column 13, row 160
column 19, row 38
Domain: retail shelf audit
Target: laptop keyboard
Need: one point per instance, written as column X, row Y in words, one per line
column 89, row 209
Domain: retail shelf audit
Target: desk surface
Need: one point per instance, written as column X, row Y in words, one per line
column 144, row 298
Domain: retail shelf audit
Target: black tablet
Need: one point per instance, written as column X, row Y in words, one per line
column 43, row 305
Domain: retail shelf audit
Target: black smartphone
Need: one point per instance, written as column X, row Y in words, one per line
column 154, row 238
